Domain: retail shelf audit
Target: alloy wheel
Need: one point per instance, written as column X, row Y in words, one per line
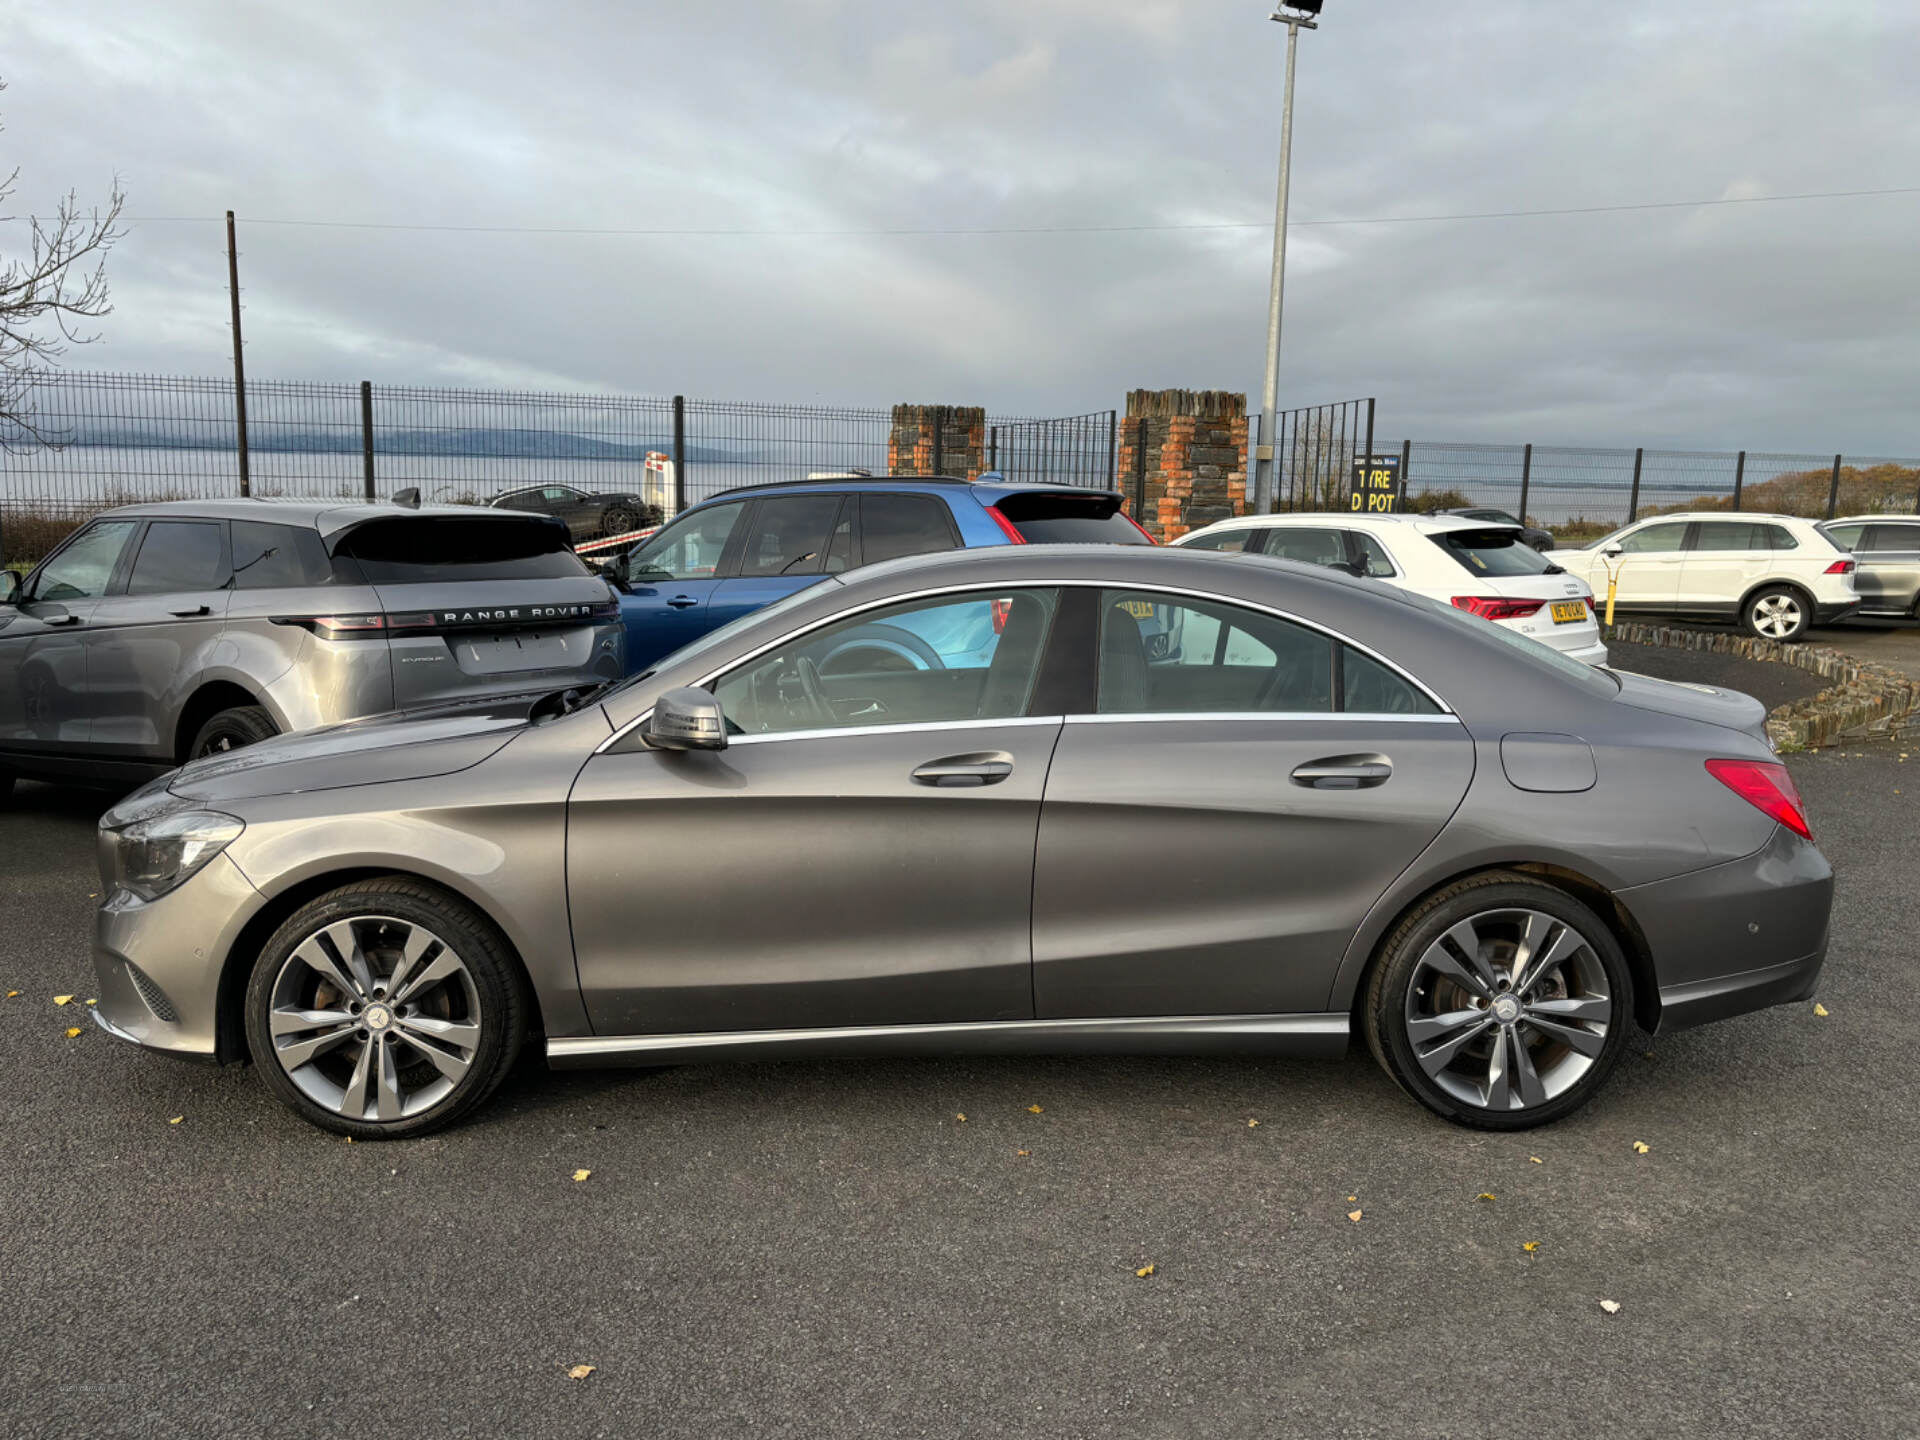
column 1777, row 616
column 375, row 1018
column 1508, row 1009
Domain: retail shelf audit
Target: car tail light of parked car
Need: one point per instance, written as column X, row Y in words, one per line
column 1840, row 567
column 1767, row 787
column 1014, row 537
column 1497, row 607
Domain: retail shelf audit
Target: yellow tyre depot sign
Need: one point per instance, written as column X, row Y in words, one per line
column 1376, row 485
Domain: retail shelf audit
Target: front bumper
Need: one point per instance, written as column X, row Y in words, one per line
column 158, row 962
column 1735, row 937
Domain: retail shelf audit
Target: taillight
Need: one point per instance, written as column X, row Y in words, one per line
column 1138, row 526
column 338, row 627
column 1496, row 607
column 1593, row 606
column 1001, row 609
column 607, row 610
column 1765, row 785
column 1014, row 537
column 1840, row 567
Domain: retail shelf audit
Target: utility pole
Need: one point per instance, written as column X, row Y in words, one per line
column 239, row 365
column 1297, row 15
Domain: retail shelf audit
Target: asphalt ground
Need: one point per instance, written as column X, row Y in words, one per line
column 828, row 1249
column 1767, row 682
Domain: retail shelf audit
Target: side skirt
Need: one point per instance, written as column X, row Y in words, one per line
column 1305, row 1036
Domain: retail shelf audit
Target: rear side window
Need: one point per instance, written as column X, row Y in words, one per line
column 179, row 555
column 1893, row 537
column 1374, row 559
column 1492, row 552
column 1845, row 537
column 892, row 526
column 1734, row 535
column 428, row 549
column 277, row 557
column 1046, row 518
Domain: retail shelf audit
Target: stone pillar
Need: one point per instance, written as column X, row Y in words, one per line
column 1195, row 454
column 937, row 440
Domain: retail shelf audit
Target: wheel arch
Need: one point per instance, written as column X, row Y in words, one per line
column 1595, row 896
column 230, row 1042
column 207, row 701
column 1776, row 582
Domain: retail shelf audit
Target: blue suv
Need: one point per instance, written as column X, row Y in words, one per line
column 748, row 547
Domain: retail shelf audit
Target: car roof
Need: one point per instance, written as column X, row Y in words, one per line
column 326, row 516
column 1722, row 515
column 1870, row 520
column 1419, row 524
column 989, row 484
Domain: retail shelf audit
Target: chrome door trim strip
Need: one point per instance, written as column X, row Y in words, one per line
column 734, row 742
column 1299, row 1034
column 992, row 585
column 1322, row 716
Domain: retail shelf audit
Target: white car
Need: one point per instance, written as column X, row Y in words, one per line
column 1775, row 574
column 1486, row 570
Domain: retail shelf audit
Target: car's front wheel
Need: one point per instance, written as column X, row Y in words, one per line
column 232, row 730
column 1500, row 1003
column 384, row 1009
column 619, row 520
column 1779, row 613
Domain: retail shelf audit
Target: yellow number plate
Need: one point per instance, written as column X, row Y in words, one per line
column 1568, row 612
column 1139, row 609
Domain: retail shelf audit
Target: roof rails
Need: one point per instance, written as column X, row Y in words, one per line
column 828, row 476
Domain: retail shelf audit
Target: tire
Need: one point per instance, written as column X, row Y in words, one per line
column 1415, row 988
column 6, row 786
column 618, row 520
column 451, row 1038
column 1780, row 613
column 232, row 730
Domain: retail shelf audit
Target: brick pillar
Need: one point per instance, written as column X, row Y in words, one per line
column 1196, row 457
column 961, row 432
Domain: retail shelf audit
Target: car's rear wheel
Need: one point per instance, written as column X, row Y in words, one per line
column 1780, row 613
column 385, row 1009
column 1500, row 1003
column 619, row 520
column 232, row 730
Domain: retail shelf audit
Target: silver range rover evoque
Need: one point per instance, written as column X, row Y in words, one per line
column 160, row 633
column 1108, row 799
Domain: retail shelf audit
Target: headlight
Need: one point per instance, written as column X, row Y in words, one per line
column 153, row 856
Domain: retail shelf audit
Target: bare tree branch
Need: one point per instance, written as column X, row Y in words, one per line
column 48, row 297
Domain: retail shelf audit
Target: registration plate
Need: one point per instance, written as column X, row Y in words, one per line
column 1569, row 612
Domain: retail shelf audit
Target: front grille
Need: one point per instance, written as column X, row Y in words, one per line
column 155, row 997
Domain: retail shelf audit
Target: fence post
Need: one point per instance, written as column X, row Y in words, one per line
column 1633, row 500
column 993, row 448
column 939, row 440
column 1113, row 445
column 366, row 432
column 1526, row 478
column 679, row 453
column 1739, row 477
column 1833, row 490
column 1406, row 457
column 1368, row 472
column 239, row 365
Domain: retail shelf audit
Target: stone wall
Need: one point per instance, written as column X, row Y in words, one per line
column 1194, row 447
column 937, row 440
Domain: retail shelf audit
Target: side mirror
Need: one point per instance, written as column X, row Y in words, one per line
column 1613, row 552
column 687, row 719
column 9, row 587
column 614, row 571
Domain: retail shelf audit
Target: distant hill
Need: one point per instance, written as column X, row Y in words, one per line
column 1878, row 489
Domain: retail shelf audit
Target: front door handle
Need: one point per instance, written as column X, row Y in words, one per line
column 682, row 602
column 189, row 614
column 986, row 768
column 1344, row 772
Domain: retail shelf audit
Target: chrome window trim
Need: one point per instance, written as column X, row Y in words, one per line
column 1322, row 716
column 912, row 727
column 975, row 586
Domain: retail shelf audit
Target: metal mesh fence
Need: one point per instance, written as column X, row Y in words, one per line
column 1073, row 450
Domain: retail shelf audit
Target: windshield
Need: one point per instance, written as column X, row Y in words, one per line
column 1492, row 552
column 1588, row 677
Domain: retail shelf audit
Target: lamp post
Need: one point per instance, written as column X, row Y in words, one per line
column 1296, row 16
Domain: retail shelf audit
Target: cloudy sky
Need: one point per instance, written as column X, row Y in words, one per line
column 1792, row 325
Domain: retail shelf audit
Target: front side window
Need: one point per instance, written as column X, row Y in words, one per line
column 82, row 570
column 971, row 657
column 1655, row 539
column 1309, row 544
column 790, row 535
column 688, row 549
column 892, row 526
column 559, row 495
column 177, row 556
column 1236, row 539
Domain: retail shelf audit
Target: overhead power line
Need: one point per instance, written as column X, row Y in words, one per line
column 703, row 231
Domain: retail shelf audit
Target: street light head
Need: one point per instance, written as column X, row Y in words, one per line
column 1297, row 10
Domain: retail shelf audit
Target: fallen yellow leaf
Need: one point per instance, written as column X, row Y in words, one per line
column 961, row 1118
column 1023, row 1152
column 73, row 1032
column 580, row 1372
column 349, row 1139
column 1612, row 1307
column 62, row 999
column 1486, row 1195
column 1253, row 1124
column 1354, row 1215
column 1034, row 1110
column 579, row 1175
column 1819, row 1009
column 1536, row 1160
column 1531, row 1246
column 1144, row 1271
column 1640, row 1147
column 12, row 993
column 1352, row 1198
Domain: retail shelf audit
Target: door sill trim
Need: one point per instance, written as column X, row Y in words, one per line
column 1303, row 1035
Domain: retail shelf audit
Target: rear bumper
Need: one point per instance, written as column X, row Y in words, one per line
column 1825, row 613
column 1735, row 937
column 1594, row 654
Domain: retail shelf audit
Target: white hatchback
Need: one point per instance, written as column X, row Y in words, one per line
column 1486, row 570
column 1776, row 574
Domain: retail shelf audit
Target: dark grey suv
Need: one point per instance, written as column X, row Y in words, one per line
column 158, row 633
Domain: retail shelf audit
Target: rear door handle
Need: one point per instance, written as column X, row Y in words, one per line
column 988, row 768
column 682, row 602
column 1344, row 772
column 189, row 614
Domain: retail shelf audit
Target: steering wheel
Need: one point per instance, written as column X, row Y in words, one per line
column 815, row 699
